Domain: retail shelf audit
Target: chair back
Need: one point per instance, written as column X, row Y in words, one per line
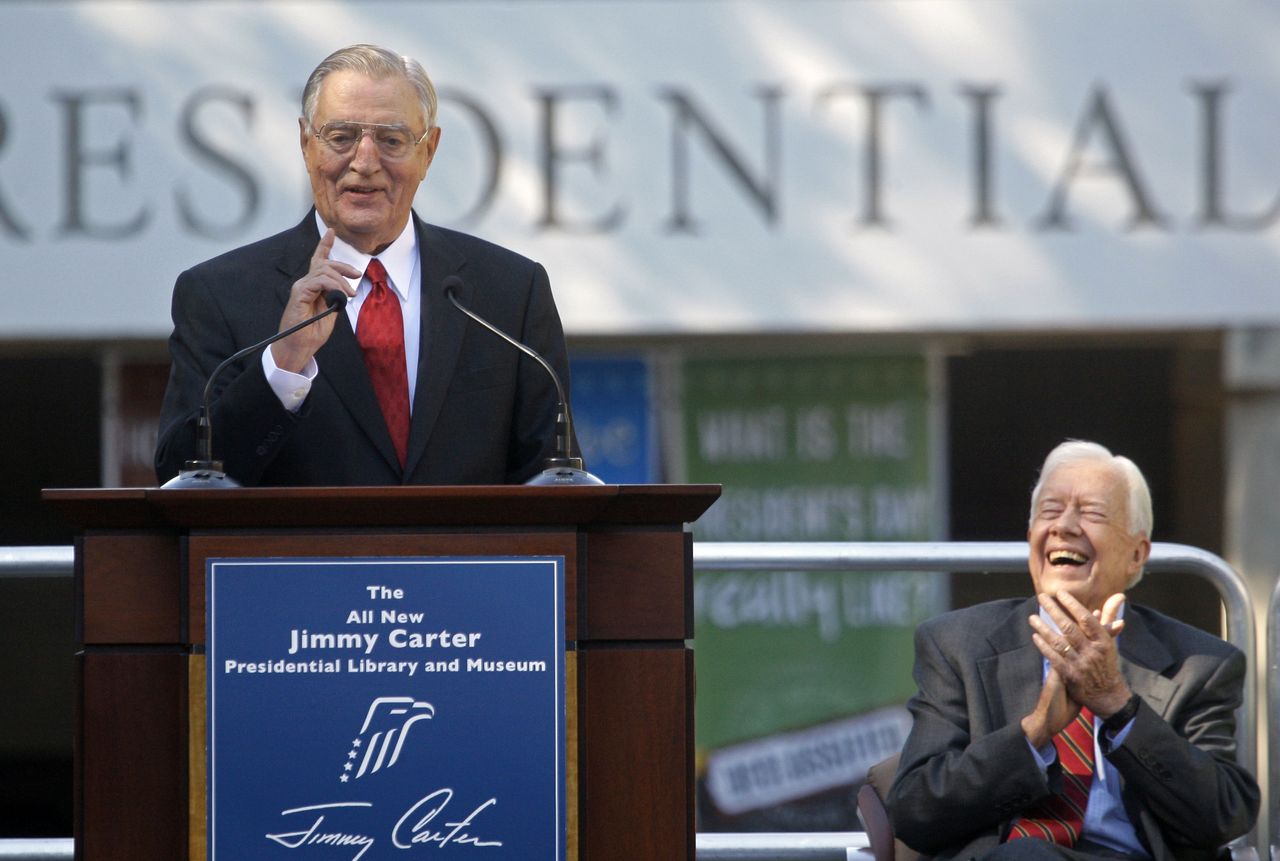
column 875, row 815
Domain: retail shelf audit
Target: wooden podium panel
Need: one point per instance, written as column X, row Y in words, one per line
column 140, row 568
column 132, row 730
column 638, row 774
column 127, row 581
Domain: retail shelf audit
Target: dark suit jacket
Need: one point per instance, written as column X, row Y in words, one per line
column 482, row 413
column 966, row 770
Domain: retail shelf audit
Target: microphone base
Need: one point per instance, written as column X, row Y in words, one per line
column 563, row 472
column 200, row 475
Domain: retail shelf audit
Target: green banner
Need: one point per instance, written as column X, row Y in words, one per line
column 801, row 675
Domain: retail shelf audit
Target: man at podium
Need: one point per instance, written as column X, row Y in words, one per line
column 398, row 387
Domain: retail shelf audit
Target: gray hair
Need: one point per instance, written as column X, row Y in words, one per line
column 1141, row 518
column 375, row 62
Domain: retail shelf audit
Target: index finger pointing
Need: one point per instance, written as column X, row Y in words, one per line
column 320, row 260
column 324, row 246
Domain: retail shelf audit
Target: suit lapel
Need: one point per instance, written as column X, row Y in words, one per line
column 296, row 257
column 1011, row 675
column 340, row 360
column 440, row 336
column 1143, row 660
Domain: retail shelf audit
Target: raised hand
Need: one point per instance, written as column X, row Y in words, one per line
column 306, row 299
column 1083, row 650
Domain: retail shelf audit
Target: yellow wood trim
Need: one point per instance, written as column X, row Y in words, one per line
column 197, row 733
column 571, row 754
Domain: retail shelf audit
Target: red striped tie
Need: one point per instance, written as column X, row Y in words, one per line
column 380, row 331
column 1060, row 817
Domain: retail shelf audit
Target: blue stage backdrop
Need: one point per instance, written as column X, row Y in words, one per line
column 360, row 707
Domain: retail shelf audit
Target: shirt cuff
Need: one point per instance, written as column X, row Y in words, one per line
column 1115, row 739
column 292, row 389
column 1045, row 756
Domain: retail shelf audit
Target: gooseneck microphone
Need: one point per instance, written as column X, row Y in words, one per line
column 205, row 472
column 563, row 468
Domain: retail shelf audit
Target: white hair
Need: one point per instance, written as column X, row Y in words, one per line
column 1141, row 518
column 375, row 62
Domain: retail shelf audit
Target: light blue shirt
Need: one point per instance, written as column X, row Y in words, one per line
column 1105, row 821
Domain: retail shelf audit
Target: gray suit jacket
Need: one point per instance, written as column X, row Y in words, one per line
column 966, row 770
column 482, row 413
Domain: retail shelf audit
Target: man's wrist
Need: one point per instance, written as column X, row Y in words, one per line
column 1035, row 732
column 1118, row 720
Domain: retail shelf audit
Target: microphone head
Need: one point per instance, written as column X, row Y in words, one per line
column 336, row 300
column 452, row 284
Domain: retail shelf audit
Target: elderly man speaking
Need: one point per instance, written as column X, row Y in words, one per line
column 401, row 388
column 1073, row 725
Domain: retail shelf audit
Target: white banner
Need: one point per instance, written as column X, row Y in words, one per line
column 785, row 767
column 701, row 166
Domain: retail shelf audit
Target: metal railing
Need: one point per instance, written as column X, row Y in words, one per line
column 37, row 849
column 830, row 846
column 1273, row 715
column 1003, row 557
column 37, row 561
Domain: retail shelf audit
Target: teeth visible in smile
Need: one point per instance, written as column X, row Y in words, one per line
column 1066, row 557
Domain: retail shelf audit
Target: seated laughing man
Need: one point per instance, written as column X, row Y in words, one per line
column 1072, row 724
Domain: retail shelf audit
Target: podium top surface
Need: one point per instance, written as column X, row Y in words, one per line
column 357, row 507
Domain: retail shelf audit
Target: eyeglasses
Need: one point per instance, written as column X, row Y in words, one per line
column 394, row 142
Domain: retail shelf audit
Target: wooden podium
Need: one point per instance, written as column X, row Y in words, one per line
column 140, row 631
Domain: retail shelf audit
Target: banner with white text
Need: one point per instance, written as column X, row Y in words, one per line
column 802, row 674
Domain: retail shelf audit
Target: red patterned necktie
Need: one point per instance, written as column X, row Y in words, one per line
column 380, row 331
column 1060, row 817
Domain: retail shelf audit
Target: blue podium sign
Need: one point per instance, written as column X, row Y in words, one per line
column 358, row 708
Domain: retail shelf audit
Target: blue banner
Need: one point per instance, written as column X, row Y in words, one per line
column 360, row 707
column 613, row 418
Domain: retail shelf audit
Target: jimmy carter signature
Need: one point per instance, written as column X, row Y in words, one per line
column 416, row 828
